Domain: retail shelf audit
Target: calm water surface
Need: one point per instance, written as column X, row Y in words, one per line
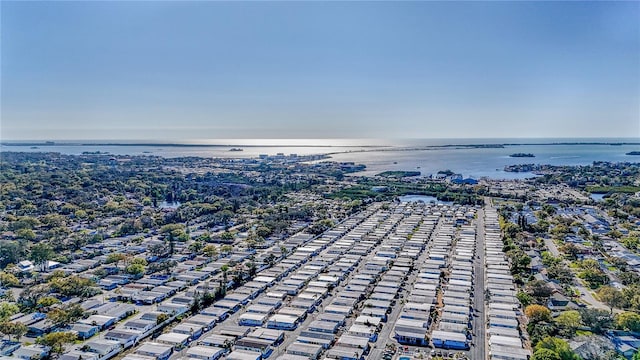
column 382, row 155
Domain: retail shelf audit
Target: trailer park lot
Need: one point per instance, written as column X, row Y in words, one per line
column 408, row 280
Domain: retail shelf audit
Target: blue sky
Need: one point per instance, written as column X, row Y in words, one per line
column 196, row 70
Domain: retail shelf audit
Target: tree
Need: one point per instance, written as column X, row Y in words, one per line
column 569, row 320
column 7, row 309
column 225, row 217
column 226, row 249
column 539, row 290
column 205, row 237
column 561, row 273
column 628, row 321
column 570, row 250
column 590, row 264
column 139, row 261
column 135, row 269
column 227, row 236
column 320, row 226
column 196, row 246
column 11, row 252
column 196, row 304
column 629, row 278
column 284, row 250
column 545, row 354
column 594, row 277
column 65, row 316
column 58, row 316
column 210, row 250
column 558, row 346
column 161, row 318
column 47, row 301
column 7, row 279
column 597, row 319
column 115, row 258
column 158, row 250
column 74, row 313
column 251, row 268
column 57, row 340
column 611, row 296
column 73, row 286
column 225, row 269
column 40, row 254
column 537, row 313
column 263, row 231
column 13, row 329
column 26, row 234
column 270, row 260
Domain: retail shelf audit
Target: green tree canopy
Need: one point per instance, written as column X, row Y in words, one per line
column 210, row 250
column 7, row 279
column 47, row 301
column 628, row 321
column 569, row 320
column 57, row 340
column 612, row 297
column 537, row 313
column 545, row 354
column 7, row 309
column 597, row 319
column 41, row 253
column 136, row 269
column 13, row 329
column 558, row 346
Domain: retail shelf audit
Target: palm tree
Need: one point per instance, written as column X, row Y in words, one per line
column 224, row 269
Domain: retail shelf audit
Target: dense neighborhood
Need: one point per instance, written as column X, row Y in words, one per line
column 298, row 257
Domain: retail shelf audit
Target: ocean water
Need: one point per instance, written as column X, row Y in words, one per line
column 487, row 162
column 424, row 155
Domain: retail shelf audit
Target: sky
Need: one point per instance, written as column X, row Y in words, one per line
column 168, row 70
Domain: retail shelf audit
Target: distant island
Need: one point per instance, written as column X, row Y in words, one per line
column 446, row 172
column 95, row 153
column 522, row 155
column 399, row 174
column 633, row 153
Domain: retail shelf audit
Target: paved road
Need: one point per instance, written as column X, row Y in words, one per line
column 551, row 246
column 587, row 297
column 585, row 294
column 386, row 334
column 478, row 350
column 291, row 336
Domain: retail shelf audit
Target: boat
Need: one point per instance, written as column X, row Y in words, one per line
column 235, row 149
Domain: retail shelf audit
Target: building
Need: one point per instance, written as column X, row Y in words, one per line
column 282, row 322
column 205, row 352
column 126, row 338
column 85, row 331
column 155, row 350
column 449, row 340
column 307, row 350
column 32, row 352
